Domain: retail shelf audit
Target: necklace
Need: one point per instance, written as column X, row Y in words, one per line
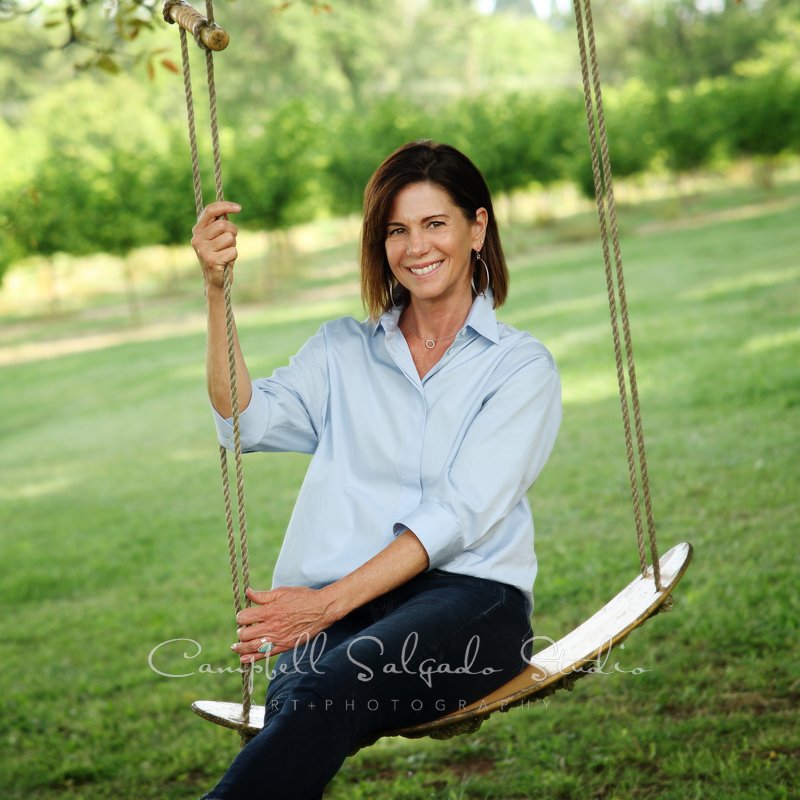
column 431, row 343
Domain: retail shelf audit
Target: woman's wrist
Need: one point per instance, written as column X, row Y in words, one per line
column 336, row 603
column 397, row 563
column 213, row 293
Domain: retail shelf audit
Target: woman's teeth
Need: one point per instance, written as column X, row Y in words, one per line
column 426, row 270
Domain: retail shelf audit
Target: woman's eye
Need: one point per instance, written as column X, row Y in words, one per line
column 395, row 231
column 435, row 223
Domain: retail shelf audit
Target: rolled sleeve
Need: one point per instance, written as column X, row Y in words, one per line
column 252, row 423
column 437, row 529
column 287, row 410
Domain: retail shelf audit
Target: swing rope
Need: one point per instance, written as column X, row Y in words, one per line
column 210, row 37
column 607, row 215
column 239, row 598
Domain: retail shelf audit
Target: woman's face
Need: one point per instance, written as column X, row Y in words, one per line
column 429, row 243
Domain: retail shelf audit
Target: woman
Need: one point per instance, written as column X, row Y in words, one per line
column 404, row 580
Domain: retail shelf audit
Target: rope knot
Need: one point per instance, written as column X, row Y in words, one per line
column 207, row 34
column 168, row 4
column 667, row 605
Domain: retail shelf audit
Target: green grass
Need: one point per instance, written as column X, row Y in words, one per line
column 112, row 538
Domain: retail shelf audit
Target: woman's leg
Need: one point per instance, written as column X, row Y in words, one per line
column 429, row 647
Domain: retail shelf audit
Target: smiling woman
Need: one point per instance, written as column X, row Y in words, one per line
column 448, row 190
column 403, row 588
column 430, row 242
column 429, row 246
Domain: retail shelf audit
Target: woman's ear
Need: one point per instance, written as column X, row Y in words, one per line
column 479, row 228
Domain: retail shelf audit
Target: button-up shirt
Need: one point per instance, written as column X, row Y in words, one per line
column 450, row 456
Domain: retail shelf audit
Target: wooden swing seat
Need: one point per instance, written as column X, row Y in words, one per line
column 581, row 652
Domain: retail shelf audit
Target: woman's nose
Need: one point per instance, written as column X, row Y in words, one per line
column 417, row 243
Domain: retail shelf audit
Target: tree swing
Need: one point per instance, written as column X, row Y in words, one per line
column 562, row 663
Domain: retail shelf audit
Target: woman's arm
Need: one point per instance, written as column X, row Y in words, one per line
column 214, row 241
column 502, row 453
column 285, row 616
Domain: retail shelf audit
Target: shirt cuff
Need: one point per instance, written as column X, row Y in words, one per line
column 252, row 423
column 437, row 529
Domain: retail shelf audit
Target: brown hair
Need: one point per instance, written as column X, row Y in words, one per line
column 424, row 162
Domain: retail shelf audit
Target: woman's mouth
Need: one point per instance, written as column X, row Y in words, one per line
column 425, row 270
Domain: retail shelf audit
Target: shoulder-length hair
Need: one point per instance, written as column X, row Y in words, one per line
column 425, row 162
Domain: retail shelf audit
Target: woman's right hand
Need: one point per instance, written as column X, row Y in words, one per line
column 214, row 240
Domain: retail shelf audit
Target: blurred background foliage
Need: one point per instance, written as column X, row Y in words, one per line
column 313, row 95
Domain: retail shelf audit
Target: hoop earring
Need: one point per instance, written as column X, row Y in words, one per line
column 391, row 294
column 486, row 270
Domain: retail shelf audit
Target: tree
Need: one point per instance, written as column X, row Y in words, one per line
column 313, row 96
column 681, row 42
column 103, row 176
column 275, row 174
column 104, row 34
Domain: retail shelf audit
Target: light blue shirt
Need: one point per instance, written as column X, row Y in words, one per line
column 449, row 456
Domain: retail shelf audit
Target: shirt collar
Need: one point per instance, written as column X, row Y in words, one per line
column 481, row 318
column 388, row 320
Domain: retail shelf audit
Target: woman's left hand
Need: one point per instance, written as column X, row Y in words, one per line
column 282, row 617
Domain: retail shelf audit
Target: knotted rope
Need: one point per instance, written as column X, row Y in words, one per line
column 607, row 214
column 239, row 598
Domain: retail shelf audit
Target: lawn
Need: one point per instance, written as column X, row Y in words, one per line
column 113, row 540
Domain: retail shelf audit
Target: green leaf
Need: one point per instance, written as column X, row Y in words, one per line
column 106, row 63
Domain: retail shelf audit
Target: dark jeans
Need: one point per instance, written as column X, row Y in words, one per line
column 431, row 646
